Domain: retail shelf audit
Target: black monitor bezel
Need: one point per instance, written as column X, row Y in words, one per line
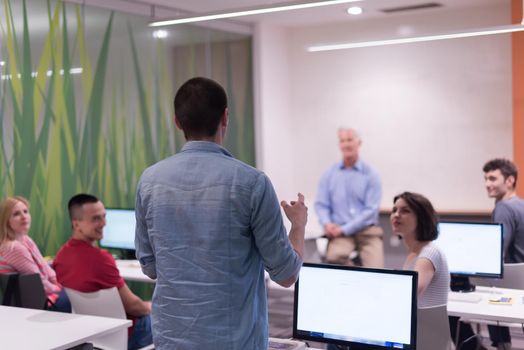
column 479, row 275
column 355, row 345
column 126, row 250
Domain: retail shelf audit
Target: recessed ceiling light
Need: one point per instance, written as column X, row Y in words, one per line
column 160, row 34
column 2, row 63
column 354, row 10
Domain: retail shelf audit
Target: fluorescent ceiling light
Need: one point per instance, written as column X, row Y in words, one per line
column 248, row 12
column 466, row 34
column 354, row 10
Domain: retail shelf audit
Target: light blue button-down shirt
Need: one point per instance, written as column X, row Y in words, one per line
column 207, row 225
column 349, row 197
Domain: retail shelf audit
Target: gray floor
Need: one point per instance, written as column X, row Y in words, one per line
column 280, row 303
column 517, row 338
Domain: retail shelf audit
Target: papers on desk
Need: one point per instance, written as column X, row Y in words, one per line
column 501, row 301
column 130, row 270
column 132, row 263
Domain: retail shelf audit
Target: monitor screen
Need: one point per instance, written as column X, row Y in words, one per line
column 358, row 307
column 119, row 231
column 472, row 248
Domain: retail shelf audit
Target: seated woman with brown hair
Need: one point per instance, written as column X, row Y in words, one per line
column 414, row 220
column 19, row 253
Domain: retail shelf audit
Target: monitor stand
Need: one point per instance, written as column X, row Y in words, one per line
column 461, row 284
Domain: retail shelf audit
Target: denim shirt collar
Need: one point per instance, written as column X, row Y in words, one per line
column 205, row 146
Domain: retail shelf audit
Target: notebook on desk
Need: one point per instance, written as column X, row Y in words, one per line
column 285, row 344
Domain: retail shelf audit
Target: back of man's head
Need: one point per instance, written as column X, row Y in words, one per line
column 76, row 202
column 506, row 167
column 200, row 104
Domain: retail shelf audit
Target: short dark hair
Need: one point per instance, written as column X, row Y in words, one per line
column 77, row 201
column 424, row 212
column 506, row 167
column 199, row 106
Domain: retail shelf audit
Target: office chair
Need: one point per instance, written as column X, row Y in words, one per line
column 9, row 289
column 32, row 293
column 23, row 291
column 105, row 303
column 513, row 278
column 433, row 329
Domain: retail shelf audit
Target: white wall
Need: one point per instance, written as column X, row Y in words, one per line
column 273, row 122
column 430, row 114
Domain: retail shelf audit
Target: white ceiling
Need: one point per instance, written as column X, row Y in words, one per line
column 335, row 13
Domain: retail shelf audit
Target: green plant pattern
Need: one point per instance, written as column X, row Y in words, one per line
column 63, row 134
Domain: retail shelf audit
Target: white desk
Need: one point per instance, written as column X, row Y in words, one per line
column 513, row 313
column 130, row 270
column 37, row 329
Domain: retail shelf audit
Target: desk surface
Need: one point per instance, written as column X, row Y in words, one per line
column 37, row 329
column 130, row 270
column 513, row 313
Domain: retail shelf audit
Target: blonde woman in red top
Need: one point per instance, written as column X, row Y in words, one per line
column 19, row 253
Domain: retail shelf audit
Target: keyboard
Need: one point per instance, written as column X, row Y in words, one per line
column 491, row 291
column 464, row 297
column 285, row 344
column 131, row 264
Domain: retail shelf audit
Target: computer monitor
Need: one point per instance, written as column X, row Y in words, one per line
column 358, row 307
column 119, row 232
column 472, row 249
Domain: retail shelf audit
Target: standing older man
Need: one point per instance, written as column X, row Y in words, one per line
column 347, row 206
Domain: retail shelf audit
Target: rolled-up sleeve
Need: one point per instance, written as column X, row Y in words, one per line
column 280, row 259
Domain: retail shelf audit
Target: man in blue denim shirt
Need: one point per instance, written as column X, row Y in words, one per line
column 207, row 227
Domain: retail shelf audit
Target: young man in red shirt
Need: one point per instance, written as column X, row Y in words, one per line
column 82, row 266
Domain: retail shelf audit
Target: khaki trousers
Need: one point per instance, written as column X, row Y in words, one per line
column 368, row 243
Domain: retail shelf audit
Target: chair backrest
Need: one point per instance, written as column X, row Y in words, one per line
column 9, row 289
column 23, row 291
column 32, row 293
column 433, row 328
column 105, row 302
column 513, row 278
